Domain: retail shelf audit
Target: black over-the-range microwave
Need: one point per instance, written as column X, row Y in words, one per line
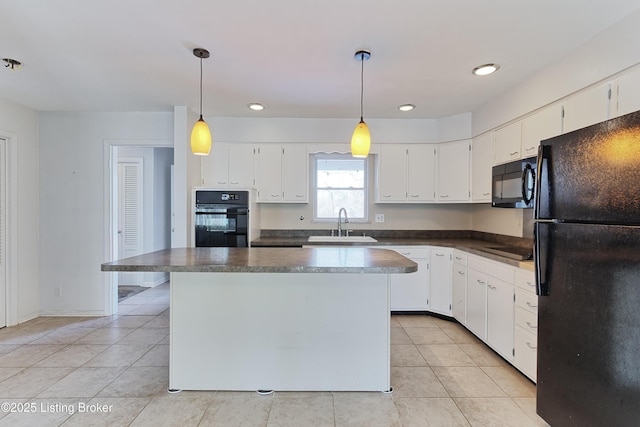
column 514, row 184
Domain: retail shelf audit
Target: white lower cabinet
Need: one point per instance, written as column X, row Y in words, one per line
column 459, row 287
column 440, row 299
column 477, row 302
column 526, row 324
column 410, row 292
column 500, row 317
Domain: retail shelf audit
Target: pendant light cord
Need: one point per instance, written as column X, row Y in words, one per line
column 201, row 88
column 361, row 86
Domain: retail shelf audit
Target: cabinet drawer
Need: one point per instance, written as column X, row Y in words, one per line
column 527, row 320
column 409, row 252
column 491, row 268
column 526, row 353
column 460, row 257
column 526, row 280
column 527, row 301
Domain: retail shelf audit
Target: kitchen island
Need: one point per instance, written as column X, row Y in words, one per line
column 277, row 318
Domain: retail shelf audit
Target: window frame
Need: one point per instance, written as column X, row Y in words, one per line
column 365, row 188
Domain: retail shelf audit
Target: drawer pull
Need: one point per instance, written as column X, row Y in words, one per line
column 531, row 305
column 531, row 284
column 513, row 154
column 492, row 287
column 531, row 346
column 482, row 282
column 460, row 272
column 531, row 326
column 437, row 254
column 459, row 258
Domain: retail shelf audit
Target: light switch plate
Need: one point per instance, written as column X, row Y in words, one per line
column 379, row 217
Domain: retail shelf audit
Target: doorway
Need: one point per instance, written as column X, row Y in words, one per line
column 139, row 212
column 3, row 232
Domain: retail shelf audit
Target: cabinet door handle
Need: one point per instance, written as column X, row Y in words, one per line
column 529, row 149
column 437, row 254
column 458, row 258
column 492, row 287
column 414, row 195
column 482, row 282
column 461, row 272
column 444, row 195
column 531, row 326
column 234, row 182
column 513, row 154
column 222, row 182
column 531, row 305
column 386, row 195
column 486, row 194
column 533, row 285
column 531, row 346
column 275, row 195
column 299, row 195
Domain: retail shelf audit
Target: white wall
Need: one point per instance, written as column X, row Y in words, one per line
column 72, row 200
column 610, row 52
column 20, row 126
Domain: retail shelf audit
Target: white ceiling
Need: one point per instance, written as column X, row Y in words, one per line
column 295, row 56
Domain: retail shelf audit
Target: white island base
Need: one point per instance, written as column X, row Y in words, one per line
column 279, row 331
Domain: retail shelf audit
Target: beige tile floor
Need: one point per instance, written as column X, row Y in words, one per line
column 113, row 371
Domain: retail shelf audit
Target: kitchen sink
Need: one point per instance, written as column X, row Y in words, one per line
column 330, row 239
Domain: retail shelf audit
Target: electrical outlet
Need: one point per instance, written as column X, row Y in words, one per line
column 58, row 291
column 379, row 217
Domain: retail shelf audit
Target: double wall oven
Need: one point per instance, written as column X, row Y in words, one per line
column 221, row 218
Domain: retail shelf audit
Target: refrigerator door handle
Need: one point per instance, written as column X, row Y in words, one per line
column 541, row 254
column 544, row 154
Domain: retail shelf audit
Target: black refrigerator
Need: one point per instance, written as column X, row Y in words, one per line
column 587, row 254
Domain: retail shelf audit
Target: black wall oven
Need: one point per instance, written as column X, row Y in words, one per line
column 221, row 218
column 514, row 184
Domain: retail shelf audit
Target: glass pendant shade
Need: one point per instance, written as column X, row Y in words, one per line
column 200, row 138
column 361, row 140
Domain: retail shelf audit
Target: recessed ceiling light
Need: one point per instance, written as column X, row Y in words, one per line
column 256, row 106
column 406, row 107
column 486, row 69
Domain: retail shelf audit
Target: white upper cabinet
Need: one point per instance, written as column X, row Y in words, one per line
column 543, row 124
column 229, row 166
column 628, row 93
column 481, row 168
column 295, row 173
column 421, row 182
column 282, row 173
column 586, row 108
column 453, row 171
column 507, row 143
column 406, row 173
column 392, row 174
column 269, row 173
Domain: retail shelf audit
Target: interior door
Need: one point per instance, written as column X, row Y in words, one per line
column 130, row 210
column 3, row 234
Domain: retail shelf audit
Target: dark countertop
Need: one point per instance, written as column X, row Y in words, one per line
column 268, row 260
column 470, row 245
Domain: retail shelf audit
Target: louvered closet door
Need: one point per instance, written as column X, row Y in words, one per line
column 3, row 233
column 130, row 207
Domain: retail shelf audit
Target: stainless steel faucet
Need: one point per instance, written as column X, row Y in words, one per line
column 346, row 220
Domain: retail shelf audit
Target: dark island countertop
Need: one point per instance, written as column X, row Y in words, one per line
column 268, row 260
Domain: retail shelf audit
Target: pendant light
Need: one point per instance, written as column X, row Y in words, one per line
column 200, row 134
column 361, row 139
